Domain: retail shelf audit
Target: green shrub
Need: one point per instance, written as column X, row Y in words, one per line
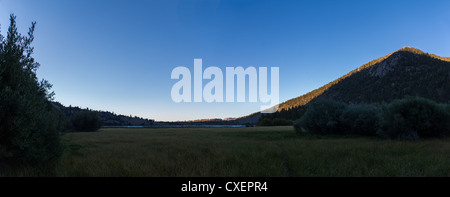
column 298, row 127
column 414, row 118
column 269, row 121
column 360, row 119
column 86, row 120
column 281, row 122
column 265, row 122
column 322, row 117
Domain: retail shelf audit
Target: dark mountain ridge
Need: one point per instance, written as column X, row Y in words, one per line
column 406, row 72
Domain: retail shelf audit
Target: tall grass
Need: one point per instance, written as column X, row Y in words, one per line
column 242, row 152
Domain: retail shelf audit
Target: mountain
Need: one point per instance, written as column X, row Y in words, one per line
column 406, row 72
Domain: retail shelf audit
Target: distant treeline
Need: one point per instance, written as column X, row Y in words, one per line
column 106, row 118
column 282, row 118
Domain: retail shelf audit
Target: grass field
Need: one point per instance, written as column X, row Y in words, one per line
column 241, row 152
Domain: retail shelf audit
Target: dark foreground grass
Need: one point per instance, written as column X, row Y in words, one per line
column 241, row 152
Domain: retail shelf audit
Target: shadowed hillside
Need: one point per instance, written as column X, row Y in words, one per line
column 406, row 72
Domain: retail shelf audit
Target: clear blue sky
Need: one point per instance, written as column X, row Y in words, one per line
column 118, row 55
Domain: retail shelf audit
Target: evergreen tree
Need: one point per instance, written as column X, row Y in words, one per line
column 28, row 125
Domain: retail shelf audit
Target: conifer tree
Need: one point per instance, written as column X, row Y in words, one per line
column 29, row 130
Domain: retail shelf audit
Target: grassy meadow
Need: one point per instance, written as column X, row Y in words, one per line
column 239, row 152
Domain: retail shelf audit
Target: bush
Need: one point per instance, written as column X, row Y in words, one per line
column 410, row 118
column 322, row 117
column 265, row 122
column 268, row 121
column 281, row 122
column 414, row 118
column 360, row 120
column 86, row 120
